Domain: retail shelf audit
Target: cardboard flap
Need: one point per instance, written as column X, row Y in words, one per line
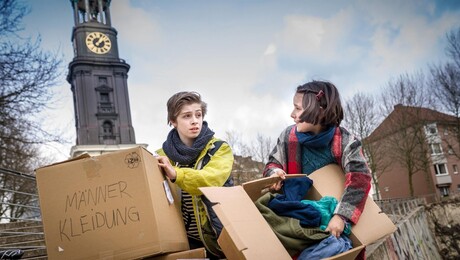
column 244, row 224
column 199, row 253
column 259, row 187
column 373, row 223
column 81, row 156
column 348, row 255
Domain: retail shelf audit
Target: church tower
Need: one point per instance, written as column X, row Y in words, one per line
column 98, row 79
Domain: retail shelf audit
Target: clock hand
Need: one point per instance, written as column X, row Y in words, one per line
column 99, row 41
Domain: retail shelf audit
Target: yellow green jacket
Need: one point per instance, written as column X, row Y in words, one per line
column 214, row 174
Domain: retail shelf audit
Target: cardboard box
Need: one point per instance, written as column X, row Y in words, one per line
column 247, row 235
column 196, row 254
column 109, row 206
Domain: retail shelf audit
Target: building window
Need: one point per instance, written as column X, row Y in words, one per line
column 458, row 187
column 450, row 150
column 440, row 169
column 102, row 80
column 431, row 129
column 105, row 106
column 444, row 191
column 105, row 97
column 436, row 149
column 455, row 168
column 107, row 128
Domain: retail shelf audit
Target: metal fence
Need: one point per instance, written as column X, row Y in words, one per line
column 398, row 209
column 21, row 230
column 18, row 194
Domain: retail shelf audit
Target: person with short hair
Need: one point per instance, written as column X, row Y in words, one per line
column 191, row 157
column 316, row 140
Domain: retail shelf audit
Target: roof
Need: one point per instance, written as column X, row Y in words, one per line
column 404, row 116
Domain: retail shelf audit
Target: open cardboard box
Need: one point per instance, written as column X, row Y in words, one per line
column 196, row 254
column 111, row 206
column 246, row 234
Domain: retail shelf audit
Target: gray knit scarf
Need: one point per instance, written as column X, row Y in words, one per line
column 177, row 151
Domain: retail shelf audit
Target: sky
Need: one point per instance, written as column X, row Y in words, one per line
column 245, row 57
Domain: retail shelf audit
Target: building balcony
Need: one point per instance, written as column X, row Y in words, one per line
column 443, row 180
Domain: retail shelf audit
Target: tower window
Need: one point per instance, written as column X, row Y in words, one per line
column 102, row 80
column 107, row 128
column 105, row 97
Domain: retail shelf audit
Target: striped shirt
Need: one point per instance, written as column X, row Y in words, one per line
column 189, row 216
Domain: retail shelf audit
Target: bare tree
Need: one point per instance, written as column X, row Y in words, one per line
column 27, row 74
column 405, row 143
column 445, row 83
column 361, row 115
column 258, row 149
column 453, row 46
column 234, row 139
column 261, row 148
column 11, row 15
column 361, row 118
column 407, row 90
column 249, row 158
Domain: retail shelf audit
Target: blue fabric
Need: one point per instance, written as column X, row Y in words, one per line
column 296, row 189
column 326, row 206
column 319, row 140
column 289, row 203
column 328, row 247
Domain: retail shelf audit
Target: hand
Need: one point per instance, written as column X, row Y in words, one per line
column 166, row 167
column 277, row 186
column 336, row 226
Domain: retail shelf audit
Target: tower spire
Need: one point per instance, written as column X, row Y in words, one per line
column 91, row 11
column 98, row 79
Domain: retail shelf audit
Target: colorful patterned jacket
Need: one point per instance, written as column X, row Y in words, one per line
column 347, row 151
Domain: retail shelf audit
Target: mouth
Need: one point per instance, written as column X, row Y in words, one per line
column 195, row 129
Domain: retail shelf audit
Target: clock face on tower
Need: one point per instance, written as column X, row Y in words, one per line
column 98, row 42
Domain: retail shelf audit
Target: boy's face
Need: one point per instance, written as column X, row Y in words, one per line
column 189, row 122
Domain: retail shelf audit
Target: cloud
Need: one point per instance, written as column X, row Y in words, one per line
column 304, row 34
column 246, row 64
column 323, row 39
column 138, row 30
column 271, row 49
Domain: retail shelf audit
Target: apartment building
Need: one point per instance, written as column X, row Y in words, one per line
column 416, row 154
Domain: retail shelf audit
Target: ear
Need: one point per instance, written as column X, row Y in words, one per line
column 174, row 124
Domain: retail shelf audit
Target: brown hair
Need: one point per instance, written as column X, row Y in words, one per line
column 179, row 100
column 321, row 103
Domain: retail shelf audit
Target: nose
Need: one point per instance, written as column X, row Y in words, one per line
column 194, row 120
